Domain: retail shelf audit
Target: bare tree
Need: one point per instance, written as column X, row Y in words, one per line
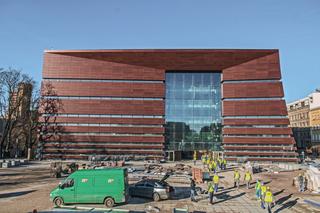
column 13, row 101
column 49, row 106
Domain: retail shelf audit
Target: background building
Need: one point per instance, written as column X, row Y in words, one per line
column 145, row 103
column 304, row 115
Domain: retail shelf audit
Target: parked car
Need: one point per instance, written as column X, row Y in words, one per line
column 154, row 189
column 107, row 186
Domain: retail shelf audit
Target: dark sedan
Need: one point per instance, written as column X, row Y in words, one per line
column 149, row 188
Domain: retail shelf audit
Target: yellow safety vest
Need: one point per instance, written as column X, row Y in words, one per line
column 210, row 187
column 236, row 175
column 263, row 189
column 248, row 177
column 215, row 179
column 214, row 165
column 208, row 161
column 268, row 197
column 224, row 162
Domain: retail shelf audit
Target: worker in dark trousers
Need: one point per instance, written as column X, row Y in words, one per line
column 193, row 191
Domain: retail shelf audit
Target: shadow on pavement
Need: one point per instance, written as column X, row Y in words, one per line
column 283, row 199
column 279, row 192
column 228, row 197
column 16, row 194
column 287, row 205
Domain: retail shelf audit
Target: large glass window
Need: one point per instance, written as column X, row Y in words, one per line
column 193, row 111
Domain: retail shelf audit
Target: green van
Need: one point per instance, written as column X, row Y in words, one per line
column 107, row 186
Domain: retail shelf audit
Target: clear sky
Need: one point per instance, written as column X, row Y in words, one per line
column 27, row 28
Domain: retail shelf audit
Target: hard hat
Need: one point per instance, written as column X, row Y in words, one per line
column 268, row 188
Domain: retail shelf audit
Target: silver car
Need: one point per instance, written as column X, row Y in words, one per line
column 154, row 189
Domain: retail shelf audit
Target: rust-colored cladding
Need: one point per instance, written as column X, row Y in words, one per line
column 254, row 108
column 246, row 74
column 102, row 120
column 117, row 107
column 261, row 121
column 103, row 129
column 252, row 90
column 110, row 89
column 258, row 140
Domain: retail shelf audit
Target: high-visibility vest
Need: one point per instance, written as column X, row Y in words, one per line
column 214, row 164
column 208, row 161
column 248, row 176
column 236, row 175
column 210, row 166
column 258, row 186
column 263, row 189
column 215, row 179
column 268, row 197
column 224, row 162
column 203, row 159
column 210, row 187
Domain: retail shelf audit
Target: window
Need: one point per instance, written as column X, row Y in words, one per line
column 193, row 111
column 68, row 183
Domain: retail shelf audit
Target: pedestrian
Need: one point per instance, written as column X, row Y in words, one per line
column 247, row 178
column 203, row 159
column 268, row 199
column 258, row 189
column 215, row 182
column 236, row 178
column 224, row 163
column 301, row 182
column 263, row 192
column 213, row 166
column 194, row 158
column 193, row 191
column 210, row 191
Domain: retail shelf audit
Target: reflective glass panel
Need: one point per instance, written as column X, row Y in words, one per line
column 193, row 111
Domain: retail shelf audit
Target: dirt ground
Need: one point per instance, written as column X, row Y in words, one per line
column 25, row 188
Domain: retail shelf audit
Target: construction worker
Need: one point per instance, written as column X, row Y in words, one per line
column 268, row 199
column 208, row 160
column 194, row 158
column 258, row 189
column 224, row 164
column 301, row 182
column 236, row 178
column 215, row 182
column 210, row 191
column 219, row 163
column 247, row 178
column 263, row 192
column 203, row 159
column 213, row 166
column 193, row 191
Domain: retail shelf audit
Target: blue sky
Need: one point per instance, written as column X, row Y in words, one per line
column 27, row 28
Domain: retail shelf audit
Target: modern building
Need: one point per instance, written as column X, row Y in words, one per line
column 148, row 103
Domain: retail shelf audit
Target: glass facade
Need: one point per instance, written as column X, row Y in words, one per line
column 193, row 111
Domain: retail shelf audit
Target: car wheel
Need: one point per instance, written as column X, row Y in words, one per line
column 109, row 202
column 58, row 202
column 156, row 197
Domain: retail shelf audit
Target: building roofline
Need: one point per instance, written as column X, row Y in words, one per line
column 159, row 50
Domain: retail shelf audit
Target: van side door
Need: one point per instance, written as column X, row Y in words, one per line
column 85, row 190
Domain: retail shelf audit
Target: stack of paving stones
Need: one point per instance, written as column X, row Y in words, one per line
column 12, row 163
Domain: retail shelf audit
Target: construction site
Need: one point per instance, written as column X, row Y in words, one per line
column 26, row 187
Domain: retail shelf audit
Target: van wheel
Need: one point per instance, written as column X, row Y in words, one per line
column 156, row 197
column 109, row 202
column 58, row 202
